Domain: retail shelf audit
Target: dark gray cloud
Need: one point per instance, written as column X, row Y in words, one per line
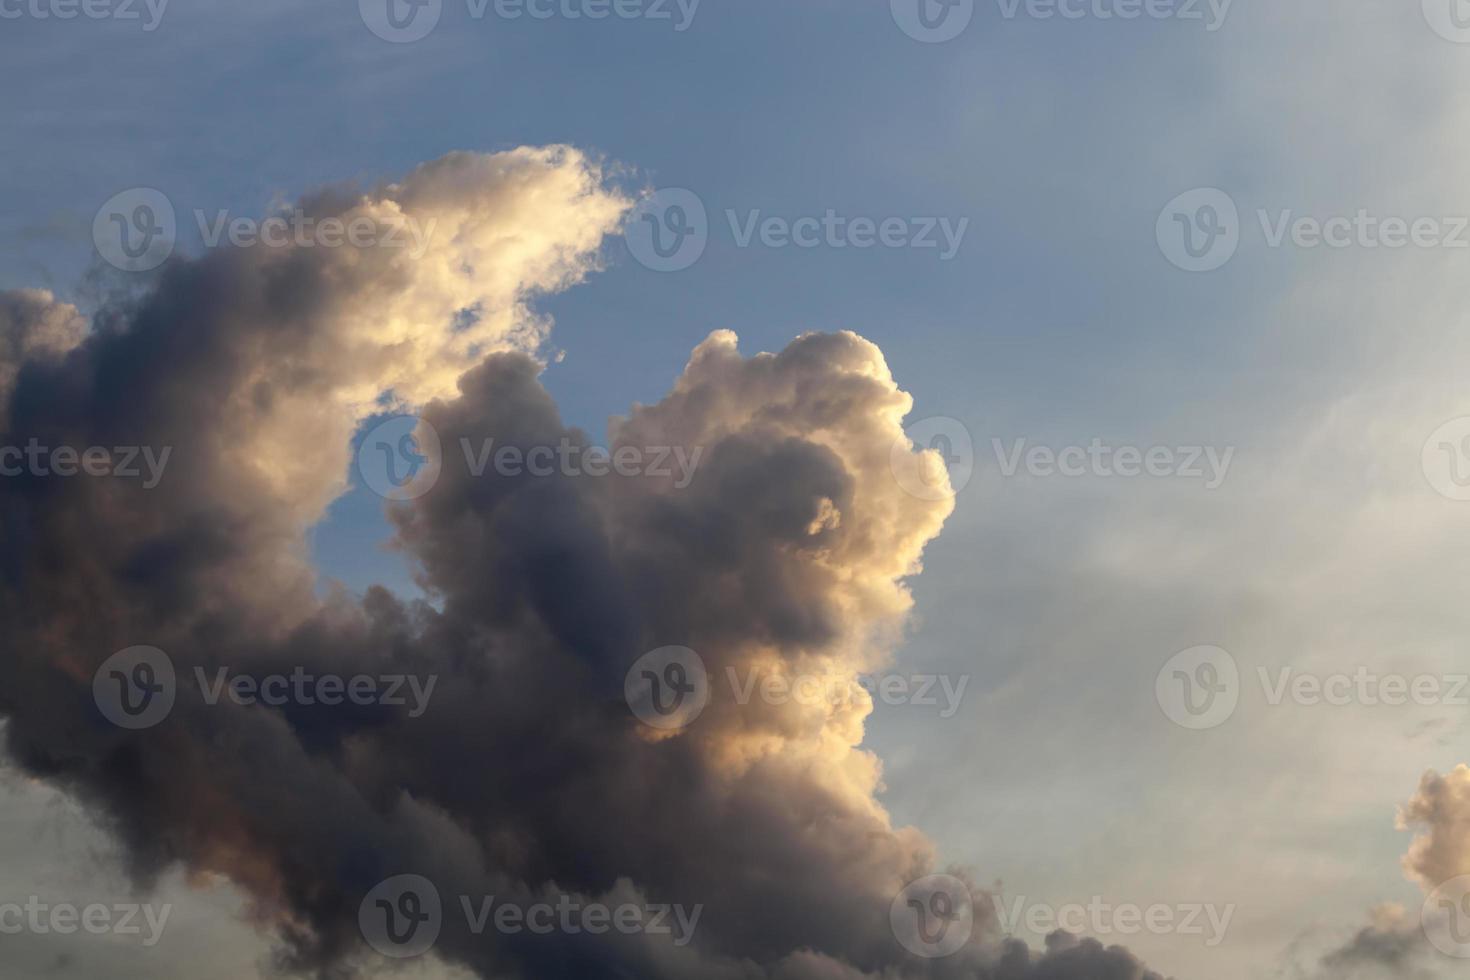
column 528, row 776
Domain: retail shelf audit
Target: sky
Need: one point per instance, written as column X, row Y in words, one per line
column 1108, row 232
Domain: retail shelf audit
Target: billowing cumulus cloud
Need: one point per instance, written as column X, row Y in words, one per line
column 527, row 777
column 1395, row 944
column 1441, row 810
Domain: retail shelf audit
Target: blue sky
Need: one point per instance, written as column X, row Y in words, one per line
column 1059, row 320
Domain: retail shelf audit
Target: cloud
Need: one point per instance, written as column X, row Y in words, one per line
column 528, row 777
column 1442, row 809
column 33, row 326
